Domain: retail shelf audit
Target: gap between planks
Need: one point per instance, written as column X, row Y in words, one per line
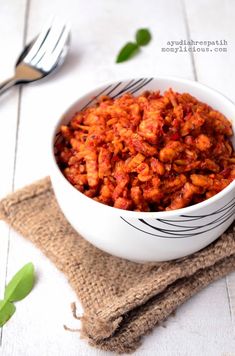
column 25, row 30
column 229, row 280
column 187, row 29
column 230, row 285
column 19, row 101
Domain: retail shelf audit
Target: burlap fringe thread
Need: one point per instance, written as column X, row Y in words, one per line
column 122, row 300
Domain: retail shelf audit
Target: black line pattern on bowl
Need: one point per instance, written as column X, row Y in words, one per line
column 141, row 86
column 230, row 204
column 114, row 88
column 127, row 87
column 228, row 211
column 197, row 217
column 131, row 87
column 96, row 97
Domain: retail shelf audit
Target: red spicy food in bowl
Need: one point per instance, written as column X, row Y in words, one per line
column 147, row 153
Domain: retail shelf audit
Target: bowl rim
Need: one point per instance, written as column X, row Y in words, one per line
column 136, row 214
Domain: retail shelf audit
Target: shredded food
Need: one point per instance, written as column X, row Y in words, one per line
column 147, row 153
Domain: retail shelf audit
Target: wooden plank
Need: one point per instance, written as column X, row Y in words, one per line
column 97, row 37
column 215, row 69
column 212, row 20
column 231, row 295
column 92, row 61
column 11, row 37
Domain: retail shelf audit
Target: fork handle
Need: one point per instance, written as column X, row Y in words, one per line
column 7, row 84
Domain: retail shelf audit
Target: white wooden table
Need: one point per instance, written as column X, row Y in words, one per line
column 205, row 324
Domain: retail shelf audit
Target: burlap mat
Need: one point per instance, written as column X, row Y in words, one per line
column 122, row 300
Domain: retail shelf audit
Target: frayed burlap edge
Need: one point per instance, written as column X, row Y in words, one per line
column 120, row 322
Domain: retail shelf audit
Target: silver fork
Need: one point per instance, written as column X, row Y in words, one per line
column 41, row 56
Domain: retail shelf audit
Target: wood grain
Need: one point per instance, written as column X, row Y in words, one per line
column 12, row 16
column 212, row 20
column 203, row 326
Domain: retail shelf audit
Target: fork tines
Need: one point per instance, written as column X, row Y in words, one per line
column 48, row 45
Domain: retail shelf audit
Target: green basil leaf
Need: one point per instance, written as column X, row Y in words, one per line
column 127, row 52
column 7, row 309
column 21, row 284
column 143, row 37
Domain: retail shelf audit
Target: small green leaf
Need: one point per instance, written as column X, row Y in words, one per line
column 143, row 37
column 21, row 284
column 127, row 52
column 7, row 309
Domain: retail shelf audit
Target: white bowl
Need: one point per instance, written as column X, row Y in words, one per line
column 141, row 236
